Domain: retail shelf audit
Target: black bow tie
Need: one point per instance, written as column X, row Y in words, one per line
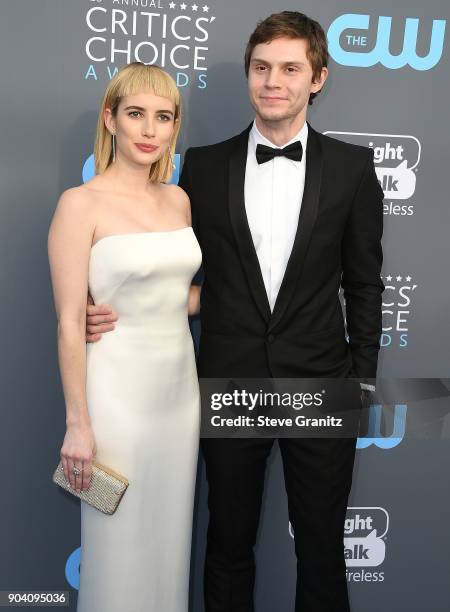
column 293, row 151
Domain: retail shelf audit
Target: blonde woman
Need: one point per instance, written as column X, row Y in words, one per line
column 132, row 400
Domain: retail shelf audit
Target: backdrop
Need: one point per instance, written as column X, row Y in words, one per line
column 388, row 89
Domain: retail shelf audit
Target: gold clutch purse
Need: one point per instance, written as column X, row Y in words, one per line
column 105, row 491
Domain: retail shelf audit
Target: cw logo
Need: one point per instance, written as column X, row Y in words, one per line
column 374, row 431
column 88, row 171
column 380, row 53
column 73, row 568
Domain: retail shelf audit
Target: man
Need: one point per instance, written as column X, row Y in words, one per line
column 284, row 217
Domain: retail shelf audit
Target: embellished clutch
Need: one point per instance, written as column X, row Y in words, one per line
column 105, row 491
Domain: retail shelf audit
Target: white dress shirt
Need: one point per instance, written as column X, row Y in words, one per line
column 273, row 198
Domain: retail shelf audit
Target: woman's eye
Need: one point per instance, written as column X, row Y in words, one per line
column 133, row 113
column 164, row 117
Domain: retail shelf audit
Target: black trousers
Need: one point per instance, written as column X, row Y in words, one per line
column 318, row 476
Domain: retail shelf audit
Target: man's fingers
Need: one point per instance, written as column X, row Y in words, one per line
column 95, row 319
column 93, row 337
column 99, row 329
column 99, row 309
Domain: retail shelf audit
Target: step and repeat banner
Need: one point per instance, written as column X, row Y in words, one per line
column 388, row 89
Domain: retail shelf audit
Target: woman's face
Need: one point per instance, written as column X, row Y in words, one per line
column 143, row 126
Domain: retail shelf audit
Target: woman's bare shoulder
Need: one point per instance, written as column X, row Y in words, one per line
column 179, row 200
column 177, row 195
column 84, row 196
column 77, row 203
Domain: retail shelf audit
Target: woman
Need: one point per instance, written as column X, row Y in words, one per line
column 132, row 401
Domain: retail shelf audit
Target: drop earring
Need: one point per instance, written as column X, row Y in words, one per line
column 114, row 146
column 172, row 159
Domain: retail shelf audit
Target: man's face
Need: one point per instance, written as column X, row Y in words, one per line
column 280, row 79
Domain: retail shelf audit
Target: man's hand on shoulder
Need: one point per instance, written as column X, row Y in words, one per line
column 99, row 319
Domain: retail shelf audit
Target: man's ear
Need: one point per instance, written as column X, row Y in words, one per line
column 318, row 83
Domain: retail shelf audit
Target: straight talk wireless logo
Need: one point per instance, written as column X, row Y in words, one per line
column 396, row 158
column 365, row 534
column 173, row 35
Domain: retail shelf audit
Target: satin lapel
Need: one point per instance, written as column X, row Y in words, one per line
column 241, row 229
column 307, row 218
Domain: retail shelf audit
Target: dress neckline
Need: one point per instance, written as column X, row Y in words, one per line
column 139, row 234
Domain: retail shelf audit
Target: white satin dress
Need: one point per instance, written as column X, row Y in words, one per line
column 143, row 402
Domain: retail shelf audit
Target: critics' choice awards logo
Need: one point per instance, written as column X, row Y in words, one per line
column 173, row 35
column 356, row 40
column 397, row 307
column 396, row 158
column 365, row 532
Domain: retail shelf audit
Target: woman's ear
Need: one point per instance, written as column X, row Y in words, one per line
column 109, row 121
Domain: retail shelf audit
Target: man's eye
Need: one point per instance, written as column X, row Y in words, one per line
column 291, row 69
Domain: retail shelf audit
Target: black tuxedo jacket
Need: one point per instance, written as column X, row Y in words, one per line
column 338, row 243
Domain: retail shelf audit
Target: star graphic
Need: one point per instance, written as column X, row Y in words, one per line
column 399, row 278
column 194, row 7
column 172, row 5
column 408, row 279
column 389, row 278
column 183, row 6
column 205, row 8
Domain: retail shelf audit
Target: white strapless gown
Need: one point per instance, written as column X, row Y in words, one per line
column 143, row 401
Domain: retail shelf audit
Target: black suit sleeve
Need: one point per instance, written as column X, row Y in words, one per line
column 362, row 258
column 185, row 182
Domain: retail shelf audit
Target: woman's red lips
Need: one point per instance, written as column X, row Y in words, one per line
column 146, row 147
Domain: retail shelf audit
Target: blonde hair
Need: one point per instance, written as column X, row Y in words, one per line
column 132, row 79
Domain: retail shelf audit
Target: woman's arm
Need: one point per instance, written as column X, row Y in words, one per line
column 69, row 244
column 194, row 299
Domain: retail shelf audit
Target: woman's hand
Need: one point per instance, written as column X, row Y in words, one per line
column 78, row 450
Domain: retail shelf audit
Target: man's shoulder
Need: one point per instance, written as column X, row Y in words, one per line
column 218, row 149
column 342, row 148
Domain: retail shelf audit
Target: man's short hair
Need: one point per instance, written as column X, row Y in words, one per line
column 292, row 24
